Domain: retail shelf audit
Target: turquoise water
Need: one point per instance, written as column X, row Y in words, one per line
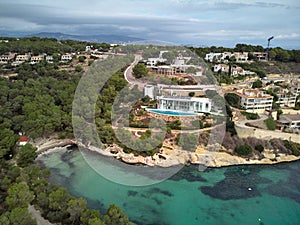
column 213, row 197
column 172, row 113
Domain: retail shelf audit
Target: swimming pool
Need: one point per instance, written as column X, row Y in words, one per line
column 172, row 113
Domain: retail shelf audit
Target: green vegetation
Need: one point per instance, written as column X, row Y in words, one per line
column 230, row 127
column 250, row 116
column 243, row 150
column 233, row 99
column 277, row 53
column 50, row 46
column 38, row 102
column 29, row 185
column 26, row 156
column 192, row 94
column 140, row 70
column 187, row 141
column 81, row 58
column 224, row 78
column 297, row 106
column 293, row 147
column 257, row 84
column 259, row 148
column 270, row 123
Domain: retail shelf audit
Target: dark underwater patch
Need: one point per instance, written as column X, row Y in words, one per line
column 239, row 183
column 159, row 191
column 189, row 173
column 131, row 193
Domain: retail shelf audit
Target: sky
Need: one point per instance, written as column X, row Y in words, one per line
column 188, row 22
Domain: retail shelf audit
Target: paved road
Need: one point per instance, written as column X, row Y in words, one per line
column 129, row 76
column 243, row 122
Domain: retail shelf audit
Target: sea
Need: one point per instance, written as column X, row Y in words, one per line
column 234, row 195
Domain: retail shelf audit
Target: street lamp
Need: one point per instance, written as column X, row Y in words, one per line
column 269, row 39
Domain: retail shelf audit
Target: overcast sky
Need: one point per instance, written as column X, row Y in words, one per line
column 197, row 22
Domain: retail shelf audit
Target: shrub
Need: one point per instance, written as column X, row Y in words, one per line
column 78, row 68
column 270, row 123
column 251, row 116
column 292, row 146
column 259, row 148
column 192, row 94
column 233, row 99
column 230, row 127
column 81, row 58
column 243, row 150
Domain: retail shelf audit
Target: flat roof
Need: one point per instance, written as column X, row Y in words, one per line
column 291, row 117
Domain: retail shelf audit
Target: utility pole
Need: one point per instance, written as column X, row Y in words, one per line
column 268, row 49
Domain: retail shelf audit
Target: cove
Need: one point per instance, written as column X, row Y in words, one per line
column 217, row 196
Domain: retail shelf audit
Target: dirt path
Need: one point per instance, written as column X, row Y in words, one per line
column 37, row 215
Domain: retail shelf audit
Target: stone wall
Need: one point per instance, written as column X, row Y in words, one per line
column 244, row 132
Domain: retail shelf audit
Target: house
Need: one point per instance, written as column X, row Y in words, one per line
column 286, row 98
column 23, row 58
column 88, row 48
column 261, row 56
column 237, row 70
column 221, row 67
column 7, row 58
column 23, row 140
column 66, row 57
column 254, row 100
column 218, row 57
column 295, row 86
column 154, row 61
column 291, row 121
column 36, row 59
column 241, row 56
column 214, row 57
column 49, row 58
column 184, row 103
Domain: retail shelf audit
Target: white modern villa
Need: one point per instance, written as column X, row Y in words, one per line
column 183, row 103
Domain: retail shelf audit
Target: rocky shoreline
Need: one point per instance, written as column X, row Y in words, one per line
column 169, row 156
column 45, row 146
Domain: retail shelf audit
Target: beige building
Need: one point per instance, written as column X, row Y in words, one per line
column 36, row 59
column 254, row 100
column 22, row 58
column 286, row 98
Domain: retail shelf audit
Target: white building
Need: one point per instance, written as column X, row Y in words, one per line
column 218, row 57
column 36, row 59
column 223, row 67
column 292, row 121
column 211, row 56
column 286, row 98
column 149, row 90
column 49, row 58
column 180, row 103
column 254, row 100
column 66, row 57
column 295, row 86
column 241, row 56
column 154, row 61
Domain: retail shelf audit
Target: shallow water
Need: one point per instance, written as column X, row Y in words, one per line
column 233, row 195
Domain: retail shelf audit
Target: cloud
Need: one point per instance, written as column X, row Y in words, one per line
column 181, row 21
column 287, row 36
